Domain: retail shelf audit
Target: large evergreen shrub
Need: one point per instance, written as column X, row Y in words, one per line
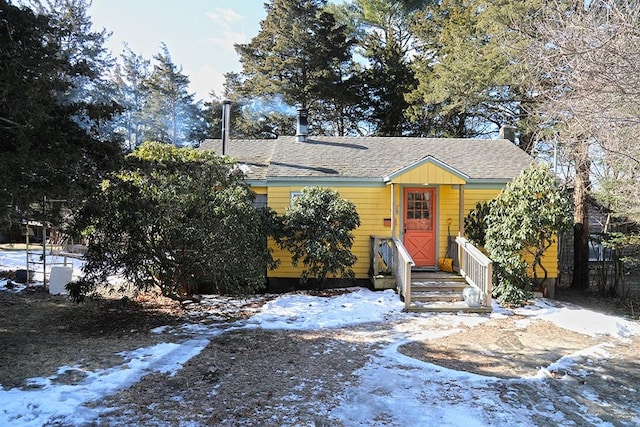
column 178, row 219
column 317, row 230
column 525, row 218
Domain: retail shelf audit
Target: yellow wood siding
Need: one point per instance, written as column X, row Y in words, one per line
column 473, row 196
column 397, row 210
column 427, row 174
column 549, row 262
column 449, row 203
column 373, row 205
column 259, row 190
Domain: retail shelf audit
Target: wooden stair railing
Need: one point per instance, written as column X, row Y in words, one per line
column 402, row 270
column 435, row 291
column 476, row 268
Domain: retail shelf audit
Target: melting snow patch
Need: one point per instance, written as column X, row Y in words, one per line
column 303, row 312
column 566, row 363
column 160, row 329
column 405, row 391
column 53, row 403
column 582, row 321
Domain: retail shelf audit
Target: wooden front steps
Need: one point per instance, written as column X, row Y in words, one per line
column 439, row 292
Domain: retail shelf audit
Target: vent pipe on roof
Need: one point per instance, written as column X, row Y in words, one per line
column 508, row 132
column 302, row 127
column 226, row 120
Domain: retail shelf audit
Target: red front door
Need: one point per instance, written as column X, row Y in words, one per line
column 419, row 225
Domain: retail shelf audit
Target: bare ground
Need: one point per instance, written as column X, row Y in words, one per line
column 500, row 348
column 260, row 377
column 40, row 332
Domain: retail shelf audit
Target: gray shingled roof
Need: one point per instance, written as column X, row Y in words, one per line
column 254, row 153
column 373, row 157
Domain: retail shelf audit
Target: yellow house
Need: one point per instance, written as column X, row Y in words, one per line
column 412, row 195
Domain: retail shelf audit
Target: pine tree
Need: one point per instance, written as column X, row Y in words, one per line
column 172, row 115
column 129, row 79
column 89, row 93
column 41, row 132
column 471, row 79
column 382, row 30
column 302, row 54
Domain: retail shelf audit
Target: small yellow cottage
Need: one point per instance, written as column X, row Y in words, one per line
column 411, row 195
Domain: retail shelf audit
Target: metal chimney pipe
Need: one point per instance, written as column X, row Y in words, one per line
column 302, row 128
column 226, row 120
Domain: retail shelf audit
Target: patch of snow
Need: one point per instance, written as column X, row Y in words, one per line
column 566, row 363
column 159, row 329
column 580, row 320
column 17, row 260
column 305, row 312
column 49, row 403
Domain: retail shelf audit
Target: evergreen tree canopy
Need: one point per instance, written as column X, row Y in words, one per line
column 471, row 81
column 129, row 79
column 89, row 93
column 302, row 54
column 178, row 219
column 47, row 150
column 171, row 113
column 381, row 29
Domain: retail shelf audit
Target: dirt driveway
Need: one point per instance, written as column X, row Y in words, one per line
column 260, row 377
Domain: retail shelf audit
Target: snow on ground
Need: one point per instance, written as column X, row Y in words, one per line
column 300, row 311
column 579, row 320
column 17, row 260
column 393, row 388
column 46, row 398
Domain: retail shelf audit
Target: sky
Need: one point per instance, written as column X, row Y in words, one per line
column 453, row 398
column 200, row 34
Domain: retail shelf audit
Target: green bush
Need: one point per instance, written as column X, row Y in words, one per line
column 317, row 230
column 178, row 219
column 475, row 224
column 525, row 218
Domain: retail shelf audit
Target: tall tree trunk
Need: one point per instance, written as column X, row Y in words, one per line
column 581, row 221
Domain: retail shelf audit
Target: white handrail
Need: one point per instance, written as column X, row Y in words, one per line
column 402, row 269
column 475, row 267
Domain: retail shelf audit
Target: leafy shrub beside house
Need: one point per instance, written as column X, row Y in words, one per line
column 521, row 224
column 475, row 224
column 183, row 221
column 317, row 230
column 178, row 219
